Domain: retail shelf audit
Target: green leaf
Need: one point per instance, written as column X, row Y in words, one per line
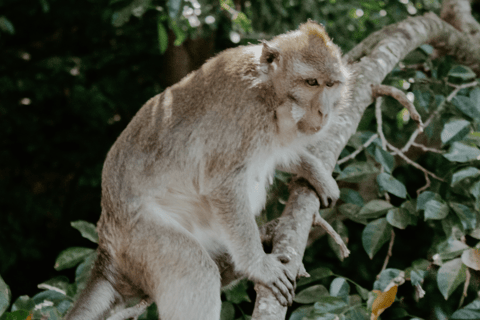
column 301, row 313
column 375, row 208
column 428, row 49
column 385, row 159
column 340, row 288
column 436, row 210
column 462, row 153
column 386, row 277
column 470, row 172
column 475, row 96
column 391, row 185
column 467, row 107
column 461, row 73
column 471, row 258
column 311, row 294
column 83, row 271
column 17, row 315
column 87, row 230
column 315, row 275
column 467, row 217
column 6, row 25
column 49, row 295
column 71, row 257
column 162, row 37
column 174, row 8
column 470, row 312
column 351, row 196
column 357, row 172
column 5, row 296
column 400, row 218
column 50, row 313
column 57, row 283
column 425, row 197
column 362, row 292
column 454, row 131
column 450, row 276
column 375, row 234
column 351, row 210
column 180, row 35
column 238, row 293
column 228, row 311
column 23, row 303
column 330, row 304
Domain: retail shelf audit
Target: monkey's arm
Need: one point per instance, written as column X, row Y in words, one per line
column 246, row 248
column 312, row 169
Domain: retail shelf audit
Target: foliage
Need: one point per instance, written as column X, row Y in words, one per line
column 76, row 77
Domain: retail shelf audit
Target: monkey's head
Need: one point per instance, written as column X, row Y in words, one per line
column 308, row 75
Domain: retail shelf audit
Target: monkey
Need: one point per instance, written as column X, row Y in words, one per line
column 182, row 184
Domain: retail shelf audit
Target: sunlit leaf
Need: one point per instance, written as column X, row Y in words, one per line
column 400, row 218
column 462, row 153
column 455, row 130
column 436, row 210
column 71, row 257
column 461, row 73
column 315, row 275
column 327, row 304
column 471, row 311
column 426, row 196
column 471, row 258
column 460, row 175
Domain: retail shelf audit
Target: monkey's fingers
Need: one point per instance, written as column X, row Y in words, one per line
column 280, row 297
column 285, row 290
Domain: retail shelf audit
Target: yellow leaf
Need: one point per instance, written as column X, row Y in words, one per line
column 383, row 301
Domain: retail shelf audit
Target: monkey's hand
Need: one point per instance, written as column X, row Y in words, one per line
column 326, row 188
column 272, row 273
column 320, row 178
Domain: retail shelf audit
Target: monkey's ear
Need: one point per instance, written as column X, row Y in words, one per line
column 269, row 53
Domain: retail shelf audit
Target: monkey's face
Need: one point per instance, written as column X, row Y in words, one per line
column 307, row 74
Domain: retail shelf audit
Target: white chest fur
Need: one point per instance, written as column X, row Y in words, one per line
column 261, row 169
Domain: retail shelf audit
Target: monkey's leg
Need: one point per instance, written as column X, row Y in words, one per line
column 183, row 280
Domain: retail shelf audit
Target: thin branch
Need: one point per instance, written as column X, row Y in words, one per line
column 440, row 108
column 356, row 152
column 378, row 116
column 427, row 149
column 389, row 253
column 426, row 186
column 399, row 95
column 465, row 288
column 411, row 162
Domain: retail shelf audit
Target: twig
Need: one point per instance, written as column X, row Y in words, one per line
column 389, row 253
column 409, row 161
column 319, row 221
column 427, row 184
column 354, row 154
column 427, row 149
column 436, row 112
column 399, row 95
column 378, row 116
column 465, row 288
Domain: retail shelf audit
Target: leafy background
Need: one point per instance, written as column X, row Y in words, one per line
column 73, row 75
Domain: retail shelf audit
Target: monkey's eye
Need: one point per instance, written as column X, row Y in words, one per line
column 330, row 83
column 312, row 82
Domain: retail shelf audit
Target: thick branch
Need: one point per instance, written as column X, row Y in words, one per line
column 290, row 237
column 458, row 13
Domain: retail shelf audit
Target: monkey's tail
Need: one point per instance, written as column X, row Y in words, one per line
column 99, row 296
